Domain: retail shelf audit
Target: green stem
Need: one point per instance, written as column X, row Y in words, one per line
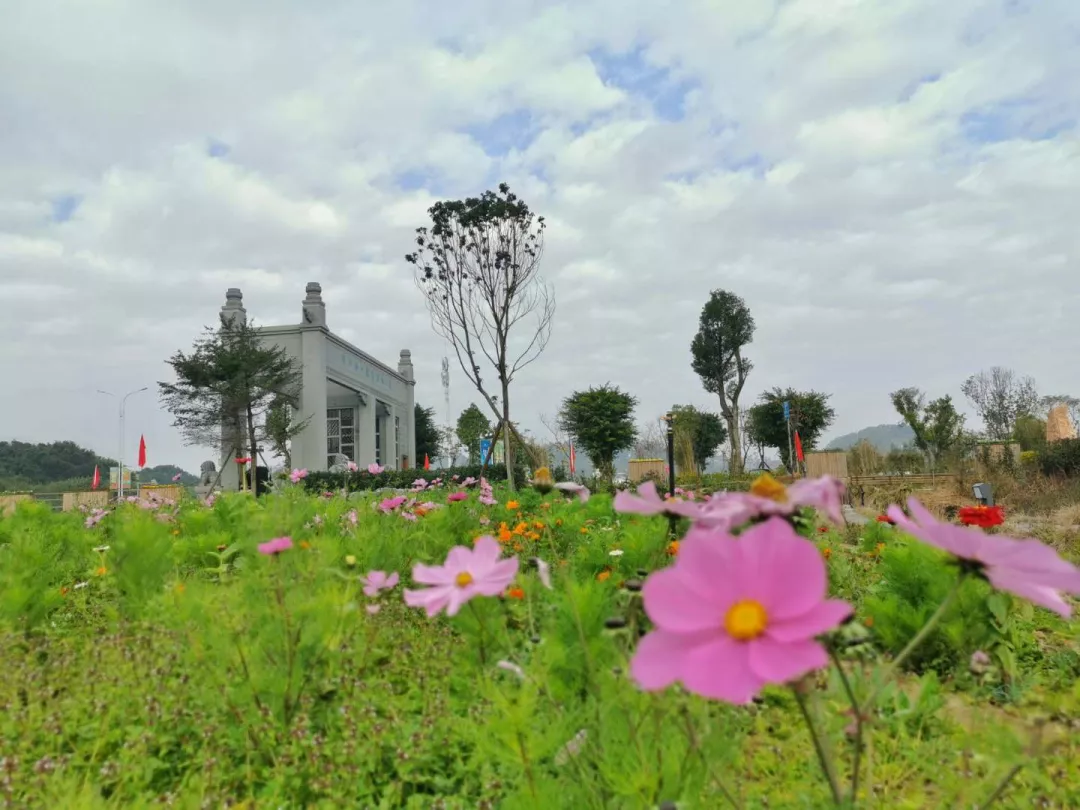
column 931, row 623
column 999, row 791
column 819, row 746
column 856, row 758
column 483, row 633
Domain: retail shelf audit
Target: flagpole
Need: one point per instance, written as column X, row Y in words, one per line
column 123, row 416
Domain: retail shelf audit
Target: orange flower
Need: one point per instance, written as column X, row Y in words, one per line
column 63, row 591
column 515, row 593
column 583, row 530
column 673, row 547
column 513, row 505
column 603, row 576
column 420, row 511
column 538, row 524
column 558, row 522
column 869, row 621
column 304, row 544
column 518, row 547
column 102, row 571
column 533, row 535
column 545, row 505
column 826, row 553
column 504, row 535
column 521, row 528
column 880, row 547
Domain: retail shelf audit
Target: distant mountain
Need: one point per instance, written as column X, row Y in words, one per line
column 883, row 437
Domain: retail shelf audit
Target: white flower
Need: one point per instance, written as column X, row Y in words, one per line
column 509, row 666
column 615, row 552
column 81, row 585
column 101, row 549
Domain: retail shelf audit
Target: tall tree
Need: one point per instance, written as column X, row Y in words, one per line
column 281, row 429
column 472, row 426
column 227, row 384
column 811, row 416
column 427, row 434
column 937, row 425
column 601, row 420
column 705, row 430
column 999, row 396
column 725, row 328
column 478, row 267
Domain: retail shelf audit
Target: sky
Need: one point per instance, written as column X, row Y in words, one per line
column 892, row 187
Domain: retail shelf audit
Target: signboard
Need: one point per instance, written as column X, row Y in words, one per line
column 114, row 477
column 787, row 411
column 485, row 448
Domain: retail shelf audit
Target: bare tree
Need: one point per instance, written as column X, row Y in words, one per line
column 999, row 396
column 651, row 441
column 478, row 267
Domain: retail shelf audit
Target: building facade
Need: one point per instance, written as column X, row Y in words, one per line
column 355, row 405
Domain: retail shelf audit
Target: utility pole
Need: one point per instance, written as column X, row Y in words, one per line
column 123, row 414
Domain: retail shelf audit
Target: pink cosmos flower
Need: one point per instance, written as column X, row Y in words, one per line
column 408, row 516
column 574, row 490
column 177, row 477
column 1026, row 568
column 296, row 476
column 390, row 504
column 469, row 482
column 374, row 468
column 466, row 573
column 457, row 496
column 352, row 517
column 376, row 581
column 351, row 466
column 649, row 502
column 275, row 546
column 734, row 614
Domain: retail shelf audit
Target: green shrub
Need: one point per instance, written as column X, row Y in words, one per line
column 1061, row 458
column 362, row 480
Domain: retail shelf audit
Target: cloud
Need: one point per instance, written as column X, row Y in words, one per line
column 883, row 183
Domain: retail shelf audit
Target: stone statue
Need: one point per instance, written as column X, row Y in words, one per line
column 1058, row 424
column 340, row 463
column 207, row 473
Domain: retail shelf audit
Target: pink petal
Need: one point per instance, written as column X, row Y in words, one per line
column 720, row 669
column 1029, row 588
column 485, row 552
column 708, row 563
column 431, row 599
column 459, row 559
column 782, row 570
column 675, row 605
column 779, row 662
column 433, row 574
column 391, row 580
column 459, row 596
column 658, row 659
column 821, row 618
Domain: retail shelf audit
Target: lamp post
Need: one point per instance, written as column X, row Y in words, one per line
column 669, row 418
column 123, row 414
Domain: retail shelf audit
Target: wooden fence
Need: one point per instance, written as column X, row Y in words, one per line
column 639, row 468
column 906, row 481
column 834, row 464
column 94, row 499
column 165, row 492
column 9, row 501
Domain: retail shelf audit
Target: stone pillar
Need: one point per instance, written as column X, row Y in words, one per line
column 408, row 419
column 309, row 446
column 365, row 430
column 232, row 313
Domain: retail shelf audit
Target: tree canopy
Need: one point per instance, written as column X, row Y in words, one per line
column 725, row 328
column 811, row 415
column 472, row 426
column 999, row 396
column 427, row 434
column 601, row 420
column 227, row 383
column 48, row 462
column 937, row 425
column 704, row 430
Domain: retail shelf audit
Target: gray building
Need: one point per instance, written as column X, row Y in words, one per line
column 356, row 406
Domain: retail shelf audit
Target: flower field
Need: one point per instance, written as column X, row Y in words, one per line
column 460, row 646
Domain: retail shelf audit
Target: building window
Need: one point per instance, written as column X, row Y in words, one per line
column 378, row 440
column 340, row 434
column 397, row 440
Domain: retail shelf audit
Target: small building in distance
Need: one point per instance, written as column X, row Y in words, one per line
column 356, row 406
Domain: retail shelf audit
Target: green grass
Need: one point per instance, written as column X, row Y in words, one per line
column 190, row 669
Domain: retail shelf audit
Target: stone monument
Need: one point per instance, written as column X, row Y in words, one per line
column 1058, row 424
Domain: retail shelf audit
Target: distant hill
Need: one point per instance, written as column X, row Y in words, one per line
column 883, row 437
column 24, row 465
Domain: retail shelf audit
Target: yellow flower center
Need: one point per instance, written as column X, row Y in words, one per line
column 765, row 486
column 463, row 579
column 746, row 620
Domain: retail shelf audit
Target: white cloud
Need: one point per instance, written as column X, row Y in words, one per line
column 883, row 182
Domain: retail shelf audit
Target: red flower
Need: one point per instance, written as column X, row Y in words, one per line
column 886, row 519
column 984, row 517
column 245, row 460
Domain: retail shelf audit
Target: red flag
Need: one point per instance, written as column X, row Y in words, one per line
column 573, row 459
column 427, row 462
column 798, row 447
column 97, row 478
column 142, row 451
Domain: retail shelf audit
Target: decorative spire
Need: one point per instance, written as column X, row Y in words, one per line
column 405, row 366
column 234, row 306
column 313, row 309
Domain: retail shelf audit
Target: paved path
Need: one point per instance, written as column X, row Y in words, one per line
column 851, row 516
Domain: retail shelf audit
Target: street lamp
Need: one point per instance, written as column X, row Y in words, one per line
column 123, row 413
